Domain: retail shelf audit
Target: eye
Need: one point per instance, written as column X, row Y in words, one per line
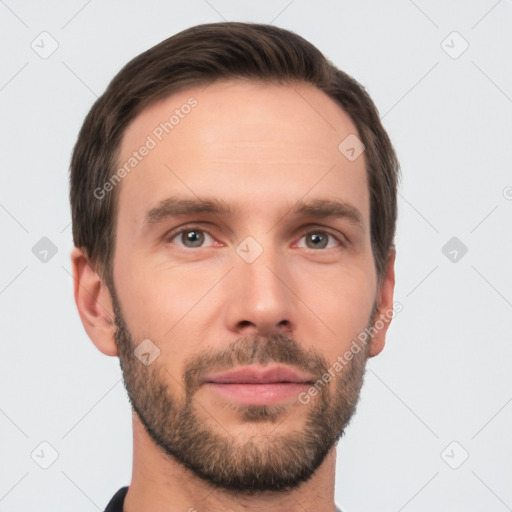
column 320, row 240
column 191, row 237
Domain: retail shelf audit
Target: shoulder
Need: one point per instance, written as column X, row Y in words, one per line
column 116, row 503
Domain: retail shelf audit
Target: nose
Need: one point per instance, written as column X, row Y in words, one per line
column 261, row 300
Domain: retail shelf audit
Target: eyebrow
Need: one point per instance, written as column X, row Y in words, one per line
column 322, row 208
column 317, row 208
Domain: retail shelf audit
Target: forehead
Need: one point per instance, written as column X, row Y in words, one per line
column 249, row 144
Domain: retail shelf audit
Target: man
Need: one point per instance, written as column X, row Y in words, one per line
column 234, row 206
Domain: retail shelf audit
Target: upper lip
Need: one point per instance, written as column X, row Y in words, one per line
column 255, row 375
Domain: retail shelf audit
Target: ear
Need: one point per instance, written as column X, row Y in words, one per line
column 385, row 305
column 94, row 304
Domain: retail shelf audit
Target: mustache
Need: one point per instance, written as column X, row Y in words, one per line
column 278, row 348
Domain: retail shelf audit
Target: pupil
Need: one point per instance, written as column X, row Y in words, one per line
column 193, row 237
column 317, row 238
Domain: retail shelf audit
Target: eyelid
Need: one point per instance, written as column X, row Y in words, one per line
column 338, row 236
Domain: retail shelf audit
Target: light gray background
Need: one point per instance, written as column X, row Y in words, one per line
column 444, row 375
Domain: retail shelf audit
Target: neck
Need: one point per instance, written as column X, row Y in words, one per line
column 159, row 483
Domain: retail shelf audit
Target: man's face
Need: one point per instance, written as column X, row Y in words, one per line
column 262, row 285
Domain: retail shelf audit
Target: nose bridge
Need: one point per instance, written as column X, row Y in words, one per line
column 263, row 261
column 260, row 264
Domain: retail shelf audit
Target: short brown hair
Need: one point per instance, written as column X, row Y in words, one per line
column 201, row 55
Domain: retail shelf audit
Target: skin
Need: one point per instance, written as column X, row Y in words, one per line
column 260, row 148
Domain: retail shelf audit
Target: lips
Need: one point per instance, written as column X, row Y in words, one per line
column 260, row 375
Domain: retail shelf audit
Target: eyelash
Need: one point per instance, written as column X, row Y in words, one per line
column 174, row 233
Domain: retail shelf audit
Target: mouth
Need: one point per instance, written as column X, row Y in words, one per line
column 259, row 386
column 259, row 375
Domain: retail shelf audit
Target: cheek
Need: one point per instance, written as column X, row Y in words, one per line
column 165, row 302
column 341, row 302
column 156, row 309
column 149, row 302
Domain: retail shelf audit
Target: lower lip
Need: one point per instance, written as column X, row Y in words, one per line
column 259, row 394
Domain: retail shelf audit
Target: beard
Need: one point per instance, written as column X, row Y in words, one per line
column 276, row 461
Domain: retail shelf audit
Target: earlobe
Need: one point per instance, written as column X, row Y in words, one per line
column 94, row 303
column 385, row 302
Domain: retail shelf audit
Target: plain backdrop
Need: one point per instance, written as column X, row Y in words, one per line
column 433, row 427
